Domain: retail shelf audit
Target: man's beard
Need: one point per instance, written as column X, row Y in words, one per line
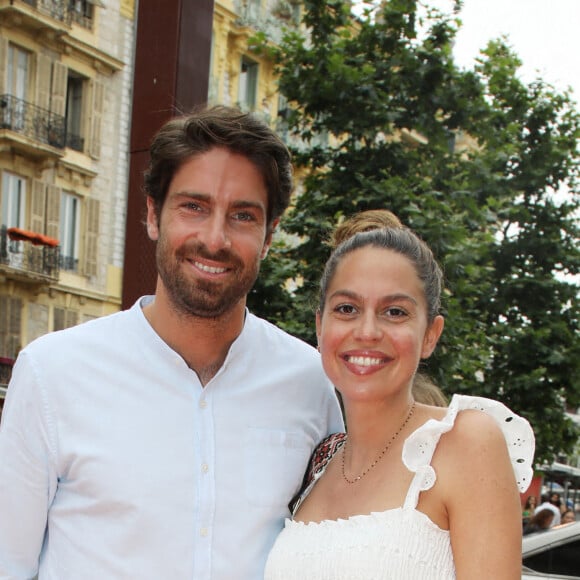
column 204, row 298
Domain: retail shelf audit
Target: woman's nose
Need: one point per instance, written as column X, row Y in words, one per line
column 368, row 328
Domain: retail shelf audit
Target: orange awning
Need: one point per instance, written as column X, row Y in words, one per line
column 20, row 235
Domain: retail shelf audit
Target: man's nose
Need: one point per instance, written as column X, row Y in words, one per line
column 215, row 234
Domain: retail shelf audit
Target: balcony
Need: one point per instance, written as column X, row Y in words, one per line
column 28, row 256
column 63, row 11
column 253, row 17
column 31, row 126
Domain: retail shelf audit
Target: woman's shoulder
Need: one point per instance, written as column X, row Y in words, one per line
column 472, row 426
column 485, row 428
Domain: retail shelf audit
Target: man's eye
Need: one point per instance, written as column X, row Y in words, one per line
column 244, row 216
column 396, row 312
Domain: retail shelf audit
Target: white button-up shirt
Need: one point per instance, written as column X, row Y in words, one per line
column 116, row 463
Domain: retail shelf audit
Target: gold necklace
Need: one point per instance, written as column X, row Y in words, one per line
column 382, row 453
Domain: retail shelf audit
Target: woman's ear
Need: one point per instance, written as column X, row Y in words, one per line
column 432, row 336
column 318, row 327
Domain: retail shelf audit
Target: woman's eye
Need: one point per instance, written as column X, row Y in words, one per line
column 345, row 309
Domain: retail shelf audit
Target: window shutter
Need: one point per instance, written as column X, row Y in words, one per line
column 10, row 324
column 43, row 66
column 71, row 318
column 98, row 93
column 3, row 63
column 53, row 195
column 58, row 319
column 38, row 206
column 92, row 237
column 59, row 80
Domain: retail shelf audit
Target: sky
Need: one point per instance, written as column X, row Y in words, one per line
column 544, row 34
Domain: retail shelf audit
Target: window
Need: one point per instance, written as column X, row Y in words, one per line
column 69, row 231
column 248, row 87
column 251, row 9
column 82, row 12
column 559, row 559
column 13, row 201
column 16, row 87
column 64, row 318
column 74, row 111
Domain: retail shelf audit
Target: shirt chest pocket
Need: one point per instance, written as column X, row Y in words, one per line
column 275, row 461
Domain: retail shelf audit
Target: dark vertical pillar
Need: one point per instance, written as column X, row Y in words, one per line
column 172, row 59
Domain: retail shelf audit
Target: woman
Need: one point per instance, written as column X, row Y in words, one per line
column 539, row 522
column 529, row 508
column 394, row 498
column 568, row 517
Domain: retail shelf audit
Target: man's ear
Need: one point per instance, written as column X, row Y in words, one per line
column 432, row 335
column 152, row 220
column 268, row 240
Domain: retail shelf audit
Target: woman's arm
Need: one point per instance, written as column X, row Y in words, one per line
column 482, row 499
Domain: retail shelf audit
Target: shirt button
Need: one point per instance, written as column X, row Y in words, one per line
column 205, row 467
column 203, row 403
column 203, row 532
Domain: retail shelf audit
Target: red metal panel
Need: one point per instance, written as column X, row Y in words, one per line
column 172, row 58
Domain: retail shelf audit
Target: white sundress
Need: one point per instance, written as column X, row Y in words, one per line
column 401, row 543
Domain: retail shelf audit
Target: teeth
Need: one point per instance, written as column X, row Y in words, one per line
column 364, row 361
column 210, row 269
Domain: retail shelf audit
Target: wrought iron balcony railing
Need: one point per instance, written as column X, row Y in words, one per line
column 66, row 11
column 32, row 121
column 31, row 256
column 57, row 9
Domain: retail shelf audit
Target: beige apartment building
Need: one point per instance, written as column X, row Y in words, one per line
column 65, row 102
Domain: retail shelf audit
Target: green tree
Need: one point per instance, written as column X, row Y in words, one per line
column 378, row 112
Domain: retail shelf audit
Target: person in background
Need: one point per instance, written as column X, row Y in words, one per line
column 393, row 499
column 529, row 507
column 547, row 504
column 166, row 441
column 568, row 517
column 539, row 522
column 424, row 389
column 556, row 499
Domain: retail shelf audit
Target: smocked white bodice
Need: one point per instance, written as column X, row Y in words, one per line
column 397, row 544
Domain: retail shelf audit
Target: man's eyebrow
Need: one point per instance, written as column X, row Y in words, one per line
column 237, row 204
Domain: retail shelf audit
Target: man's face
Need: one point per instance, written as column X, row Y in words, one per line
column 211, row 234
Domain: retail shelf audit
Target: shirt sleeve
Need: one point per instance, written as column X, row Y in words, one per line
column 27, row 475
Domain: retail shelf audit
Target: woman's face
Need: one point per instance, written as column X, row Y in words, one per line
column 374, row 329
column 568, row 517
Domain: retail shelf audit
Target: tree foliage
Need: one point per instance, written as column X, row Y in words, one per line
column 378, row 111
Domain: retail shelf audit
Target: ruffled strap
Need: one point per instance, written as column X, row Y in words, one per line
column 421, row 444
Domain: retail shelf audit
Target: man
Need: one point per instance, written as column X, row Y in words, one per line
column 167, row 440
